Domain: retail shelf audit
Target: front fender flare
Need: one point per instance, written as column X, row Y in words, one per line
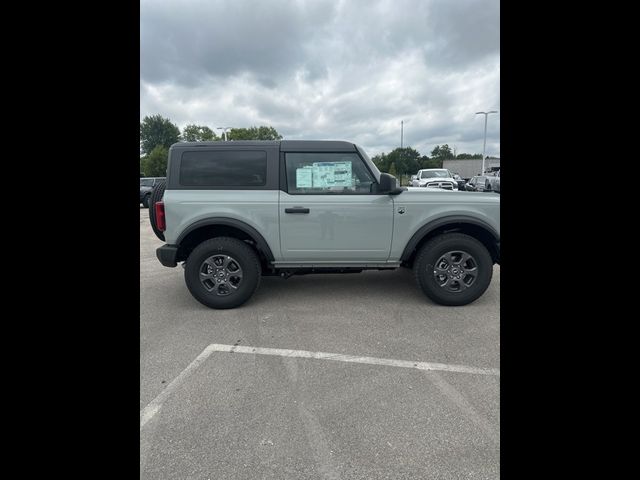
column 440, row 222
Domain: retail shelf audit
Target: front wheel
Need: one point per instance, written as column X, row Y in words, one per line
column 222, row 272
column 453, row 269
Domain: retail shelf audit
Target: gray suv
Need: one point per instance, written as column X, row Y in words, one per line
column 236, row 211
column 146, row 188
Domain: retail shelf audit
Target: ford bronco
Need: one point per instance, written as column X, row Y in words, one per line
column 233, row 212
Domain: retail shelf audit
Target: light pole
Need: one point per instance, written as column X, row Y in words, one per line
column 401, row 145
column 224, row 131
column 484, row 145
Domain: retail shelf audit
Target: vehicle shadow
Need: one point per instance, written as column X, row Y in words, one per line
column 391, row 287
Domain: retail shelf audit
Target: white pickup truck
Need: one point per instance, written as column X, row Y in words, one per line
column 435, row 178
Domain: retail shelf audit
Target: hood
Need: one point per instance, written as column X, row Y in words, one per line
column 428, row 194
column 428, row 189
column 437, row 179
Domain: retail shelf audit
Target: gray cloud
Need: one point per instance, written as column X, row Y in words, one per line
column 343, row 69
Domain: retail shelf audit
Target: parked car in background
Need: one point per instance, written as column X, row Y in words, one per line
column 435, row 178
column 146, row 188
column 461, row 181
column 494, row 181
column 479, row 183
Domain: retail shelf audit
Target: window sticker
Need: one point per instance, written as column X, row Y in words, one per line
column 342, row 174
column 332, row 174
column 304, row 177
column 325, row 175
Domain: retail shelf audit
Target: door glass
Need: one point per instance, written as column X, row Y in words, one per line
column 327, row 173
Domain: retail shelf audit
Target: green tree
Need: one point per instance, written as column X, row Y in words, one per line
column 465, row 156
column 407, row 160
column 157, row 130
column 382, row 162
column 155, row 164
column 392, row 170
column 254, row 133
column 426, row 162
column 442, row 152
column 198, row 133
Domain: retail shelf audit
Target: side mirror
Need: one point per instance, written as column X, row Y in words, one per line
column 389, row 185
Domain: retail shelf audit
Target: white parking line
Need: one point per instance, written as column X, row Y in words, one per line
column 355, row 359
column 154, row 407
column 156, row 404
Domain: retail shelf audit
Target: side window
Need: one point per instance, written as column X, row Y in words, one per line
column 244, row 168
column 327, row 173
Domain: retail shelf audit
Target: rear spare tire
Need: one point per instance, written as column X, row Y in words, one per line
column 156, row 196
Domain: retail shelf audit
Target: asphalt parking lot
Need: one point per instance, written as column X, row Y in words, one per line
column 296, row 413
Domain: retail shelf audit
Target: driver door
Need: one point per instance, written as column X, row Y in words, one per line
column 330, row 211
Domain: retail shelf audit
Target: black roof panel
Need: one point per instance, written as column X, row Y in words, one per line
column 285, row 145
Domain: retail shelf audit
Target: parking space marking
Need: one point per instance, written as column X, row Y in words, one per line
column 443, row 367
column 156, row 404
column 316, row 437
column 465, row 407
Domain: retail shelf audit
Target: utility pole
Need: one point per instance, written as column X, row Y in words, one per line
column 484, row 145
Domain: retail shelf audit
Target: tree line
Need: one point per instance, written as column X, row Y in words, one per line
column 407, row 161
column 157, row 134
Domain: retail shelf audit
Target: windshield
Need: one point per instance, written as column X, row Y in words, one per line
column 434, row 174
column 146, row 182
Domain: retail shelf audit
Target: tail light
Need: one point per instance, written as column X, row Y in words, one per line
column 161, row 223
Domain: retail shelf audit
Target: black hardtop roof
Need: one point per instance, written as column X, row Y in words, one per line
column 285, row 145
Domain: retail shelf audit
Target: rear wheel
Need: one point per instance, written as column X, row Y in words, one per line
column 145, row 200
column 222, row 272
column 453, row 269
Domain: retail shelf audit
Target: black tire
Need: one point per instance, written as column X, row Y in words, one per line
column 156, row 195
column 245, row 258
column 424, row 268
column 145, row 200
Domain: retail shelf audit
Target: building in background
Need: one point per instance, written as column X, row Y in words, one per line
column 471, row 167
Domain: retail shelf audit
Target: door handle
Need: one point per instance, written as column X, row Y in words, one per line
column 296, row 210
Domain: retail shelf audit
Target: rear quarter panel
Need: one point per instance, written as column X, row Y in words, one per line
column 257, row 208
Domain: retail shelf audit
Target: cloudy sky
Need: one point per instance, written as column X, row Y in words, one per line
column 335, row 69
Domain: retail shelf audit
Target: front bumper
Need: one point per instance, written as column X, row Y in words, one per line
column 167, row 255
